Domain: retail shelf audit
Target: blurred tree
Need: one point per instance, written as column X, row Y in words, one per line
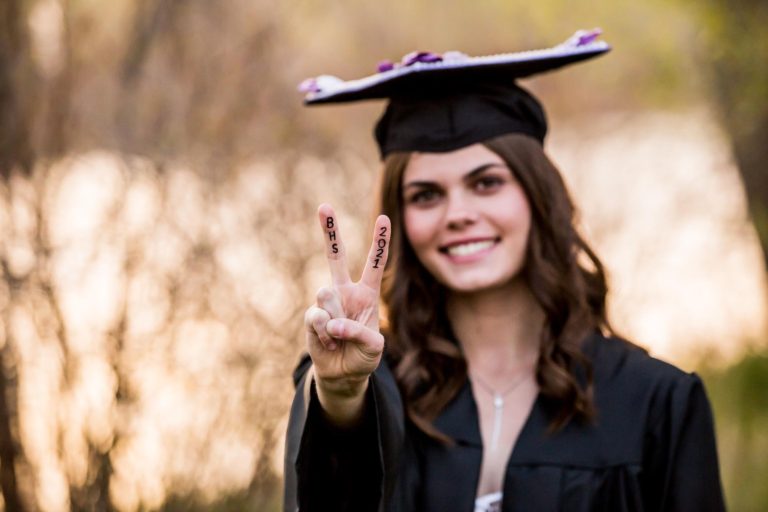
column 15, row 284
column 16, row 86
column 735, row 56
column 10, row 450
column 17, row 82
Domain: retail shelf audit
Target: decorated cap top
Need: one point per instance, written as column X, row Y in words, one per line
column 442, row 102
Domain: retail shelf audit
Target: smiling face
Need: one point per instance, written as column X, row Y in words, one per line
column 466, row 217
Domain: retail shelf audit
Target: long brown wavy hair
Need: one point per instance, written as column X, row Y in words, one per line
column 564, row 274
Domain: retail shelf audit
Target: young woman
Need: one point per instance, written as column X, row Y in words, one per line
column 496, row 384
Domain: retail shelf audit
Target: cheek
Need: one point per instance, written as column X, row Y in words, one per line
column 516, row 218
column 519, row 211
column 525, row 226
column 419, row 227
column 524, row 218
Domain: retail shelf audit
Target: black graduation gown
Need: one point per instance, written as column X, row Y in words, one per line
column 651, row 448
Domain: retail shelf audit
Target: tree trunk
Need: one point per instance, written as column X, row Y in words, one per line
column 15, row 76
column 9, row 448
column 737, row 55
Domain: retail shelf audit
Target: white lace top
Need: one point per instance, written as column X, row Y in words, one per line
column 489, row 502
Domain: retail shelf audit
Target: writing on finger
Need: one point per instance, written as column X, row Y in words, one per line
column 331, row 225
column 381, row 244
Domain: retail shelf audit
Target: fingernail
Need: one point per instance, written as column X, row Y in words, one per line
column 334, row 327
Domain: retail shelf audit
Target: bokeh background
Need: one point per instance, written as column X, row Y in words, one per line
column 158, row 238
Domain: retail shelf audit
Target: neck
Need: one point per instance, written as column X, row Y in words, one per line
column 499, row 329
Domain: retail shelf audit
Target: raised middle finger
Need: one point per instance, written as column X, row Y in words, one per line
column 377, row 256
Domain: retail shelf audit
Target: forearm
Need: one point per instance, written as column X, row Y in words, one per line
column 339, row 468
column 342, row 402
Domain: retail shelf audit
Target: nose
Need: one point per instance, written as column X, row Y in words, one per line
column 459, row 214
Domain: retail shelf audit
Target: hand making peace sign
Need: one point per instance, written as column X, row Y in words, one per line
column 343, row 335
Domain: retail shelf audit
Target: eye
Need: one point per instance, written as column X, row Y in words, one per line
column 487, row 183
column 423, row 196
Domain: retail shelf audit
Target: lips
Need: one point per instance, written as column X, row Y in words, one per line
column 468, row 247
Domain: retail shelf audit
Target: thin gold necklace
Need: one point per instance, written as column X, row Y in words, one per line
column 498, row 404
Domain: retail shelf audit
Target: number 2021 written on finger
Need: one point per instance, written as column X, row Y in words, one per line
column 381, row 243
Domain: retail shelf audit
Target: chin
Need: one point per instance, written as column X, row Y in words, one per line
column 477, row 284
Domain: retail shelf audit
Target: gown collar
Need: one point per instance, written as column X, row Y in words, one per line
column 459, row 419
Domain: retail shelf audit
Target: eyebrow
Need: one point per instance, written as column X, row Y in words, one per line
column 471, row 174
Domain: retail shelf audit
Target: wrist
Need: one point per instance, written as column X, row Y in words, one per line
column 342, row 401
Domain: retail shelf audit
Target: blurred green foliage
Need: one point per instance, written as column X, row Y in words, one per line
column 739, row 395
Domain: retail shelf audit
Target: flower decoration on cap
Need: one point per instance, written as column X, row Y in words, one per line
column 425, row 57
column 320, row 83
column 582, row 38
column 409, row 60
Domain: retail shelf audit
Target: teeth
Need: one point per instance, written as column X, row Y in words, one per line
column 470, row 248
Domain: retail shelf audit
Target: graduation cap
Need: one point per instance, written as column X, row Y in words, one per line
column 445, row 102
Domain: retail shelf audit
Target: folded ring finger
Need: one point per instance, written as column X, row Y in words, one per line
column 330, row 300
column 318, row 319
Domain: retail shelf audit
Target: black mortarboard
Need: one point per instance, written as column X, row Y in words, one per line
column 445, row 102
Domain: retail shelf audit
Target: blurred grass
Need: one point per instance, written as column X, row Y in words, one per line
column 739, row 395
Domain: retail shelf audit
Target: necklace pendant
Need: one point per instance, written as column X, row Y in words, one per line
column 498, row 404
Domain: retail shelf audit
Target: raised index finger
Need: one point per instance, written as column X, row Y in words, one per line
column 377, row 256
column 334, row 247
